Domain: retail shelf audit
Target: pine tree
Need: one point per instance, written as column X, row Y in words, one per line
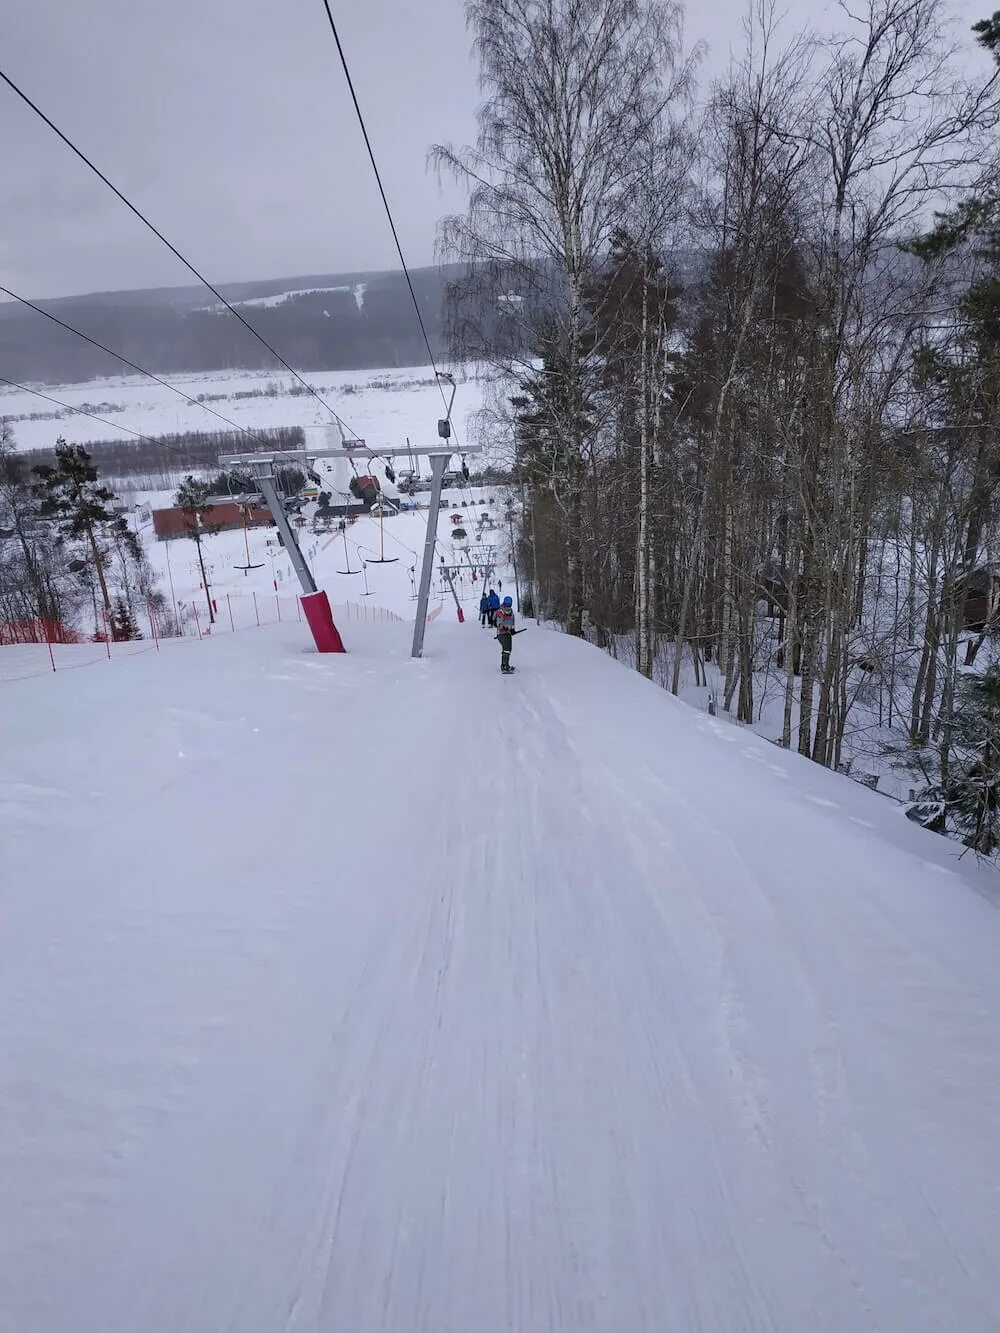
column 192, row 499
column 71, row 495
column 543, row 461
column 33, row 582
column 132, row 567
column 973, row 791
column 123, row 622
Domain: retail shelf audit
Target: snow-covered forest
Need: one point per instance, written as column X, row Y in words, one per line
column 746, row 338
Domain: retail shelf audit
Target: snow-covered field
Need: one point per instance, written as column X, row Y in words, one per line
column 369, row 994
column 282, row 298
column 383, row 407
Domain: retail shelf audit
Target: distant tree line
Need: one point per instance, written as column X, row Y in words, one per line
column 157, row 463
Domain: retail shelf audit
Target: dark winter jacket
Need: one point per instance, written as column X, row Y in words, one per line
column 504, row 620
column 484, row 604
column 493, row 601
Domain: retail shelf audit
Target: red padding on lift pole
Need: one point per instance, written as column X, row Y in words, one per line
column 461, row 616
column 316, row 605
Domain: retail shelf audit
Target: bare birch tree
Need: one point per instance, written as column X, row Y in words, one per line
column 574, row 89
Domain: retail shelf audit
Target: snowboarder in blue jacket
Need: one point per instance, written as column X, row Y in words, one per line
column 484, row 608
column 505, row 633
column 494, row 605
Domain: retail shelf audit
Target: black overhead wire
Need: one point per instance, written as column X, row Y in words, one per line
column 245, row 430
column 385, row 201
column 170, row 246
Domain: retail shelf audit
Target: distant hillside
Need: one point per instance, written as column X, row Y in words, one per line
column 327, row 321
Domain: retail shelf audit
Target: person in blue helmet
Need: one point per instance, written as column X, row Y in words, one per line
column 493, row 606
column 505, row 633
column 484, row 608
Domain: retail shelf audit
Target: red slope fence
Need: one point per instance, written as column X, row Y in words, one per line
column 35, row 648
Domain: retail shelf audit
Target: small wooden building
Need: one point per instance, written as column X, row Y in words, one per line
column 173, row 522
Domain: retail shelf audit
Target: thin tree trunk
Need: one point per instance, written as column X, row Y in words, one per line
column 204, row 580
column 574, row 535
column 806, row 689
column 946, row 711
column 644, row 660
column 720, row 407
column 791, row 647
column 726, row 590
column 911, row 583
column 99, row 567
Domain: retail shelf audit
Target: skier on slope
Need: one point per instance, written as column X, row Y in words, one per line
column 505, row 633
column 484, row 608
column 494, row 606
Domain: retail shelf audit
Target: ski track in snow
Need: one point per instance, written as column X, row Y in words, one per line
column 372, row 994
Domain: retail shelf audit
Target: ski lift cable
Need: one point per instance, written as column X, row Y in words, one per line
column 347, row 558
column 385, row 201
column 170, row 246
column 133, row 365
column 408, row 549
column 466, row 487
column 392, row 536
column 382, row 558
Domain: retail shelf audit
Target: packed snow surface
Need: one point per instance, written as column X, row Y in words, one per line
column 358, row 993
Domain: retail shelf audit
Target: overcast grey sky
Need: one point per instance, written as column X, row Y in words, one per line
column 229, row 123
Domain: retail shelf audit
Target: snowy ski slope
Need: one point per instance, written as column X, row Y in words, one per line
column 368, row 994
